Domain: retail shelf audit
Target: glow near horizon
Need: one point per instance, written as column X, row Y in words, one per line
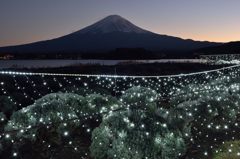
column 216, row 20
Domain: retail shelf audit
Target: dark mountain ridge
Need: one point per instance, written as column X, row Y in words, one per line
column 108, row 34
column 227, row 48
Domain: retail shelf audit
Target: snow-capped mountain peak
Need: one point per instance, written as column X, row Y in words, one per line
column 112, row 23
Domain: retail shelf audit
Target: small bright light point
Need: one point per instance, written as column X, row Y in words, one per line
column 14, row 154
column 65, row 133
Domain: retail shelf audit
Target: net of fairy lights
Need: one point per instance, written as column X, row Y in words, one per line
column 49, row 115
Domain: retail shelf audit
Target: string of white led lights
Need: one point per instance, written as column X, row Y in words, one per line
column 113, row 76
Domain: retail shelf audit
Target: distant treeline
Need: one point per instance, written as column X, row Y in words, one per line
column 130, row 69
column 126, row 53
column 117, row 54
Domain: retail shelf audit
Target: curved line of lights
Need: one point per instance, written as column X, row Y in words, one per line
column 113, row 76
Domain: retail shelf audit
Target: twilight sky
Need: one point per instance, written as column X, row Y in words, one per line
column 24, row 21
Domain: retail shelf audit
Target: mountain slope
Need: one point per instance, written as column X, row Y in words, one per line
column 110, row 33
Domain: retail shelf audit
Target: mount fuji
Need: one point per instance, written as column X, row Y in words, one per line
column 108, row 34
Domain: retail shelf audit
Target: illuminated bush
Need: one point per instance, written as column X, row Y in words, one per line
column 141, row 131
column 53, row 119
column 214, row 108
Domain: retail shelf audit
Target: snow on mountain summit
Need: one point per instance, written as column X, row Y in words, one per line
column 112, row 23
